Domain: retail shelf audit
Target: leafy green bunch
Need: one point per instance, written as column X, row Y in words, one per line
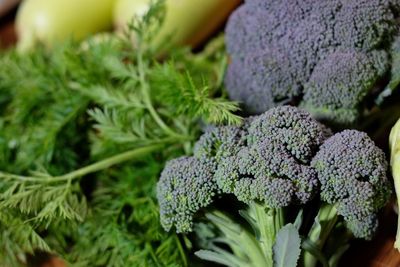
column 84, row 132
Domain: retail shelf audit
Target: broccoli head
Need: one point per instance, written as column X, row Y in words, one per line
column 186, row 185
column 280, row 158
column 352, row 173
column 328, row 56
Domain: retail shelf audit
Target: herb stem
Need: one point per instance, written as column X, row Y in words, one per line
column 146, row 97
column 181, row 251
column 106, row 163
column 95, row 167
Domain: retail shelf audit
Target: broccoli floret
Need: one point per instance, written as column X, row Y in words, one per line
column 327, row 56
column 238, row 77
column 273, row 167
column 267, row 159
column 365, row 228
column 229, row 170
column 285, row 179
column 186, row 185
column 279, row 158
column 334, row 92
column 352, row 172
column 219, row 142
column 249, row 178
column 365, row 24
column 294, row 128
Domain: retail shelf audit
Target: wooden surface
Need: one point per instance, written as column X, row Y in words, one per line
column 6, row 6
column 8, row 36
column 379, row 252
column 376, row 253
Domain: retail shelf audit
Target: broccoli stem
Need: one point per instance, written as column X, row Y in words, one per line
column 268, row 223
column 247, row 248
column 239, row 239
column 319, row 233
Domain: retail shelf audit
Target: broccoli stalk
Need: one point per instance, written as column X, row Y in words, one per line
column 266, row 222
column 394, row 143
column 276, row 163
column 248, row 247
column 325, row 222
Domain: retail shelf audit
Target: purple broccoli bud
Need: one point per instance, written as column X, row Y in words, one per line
column 352, row 172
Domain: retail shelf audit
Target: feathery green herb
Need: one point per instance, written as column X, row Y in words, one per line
column 85, row 130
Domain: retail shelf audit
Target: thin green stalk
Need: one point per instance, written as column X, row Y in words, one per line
column 146, row 97
column 332, row 219
column 254, row 251
column 95, row 167
column 181, row 251
column 152, row 254
column 279, row 220
column 320, row 231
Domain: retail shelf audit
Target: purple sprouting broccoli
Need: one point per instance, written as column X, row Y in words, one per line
column 276, row 163
column 186, row 185
column 343, row 91
column 352, row 173
column 327, row 56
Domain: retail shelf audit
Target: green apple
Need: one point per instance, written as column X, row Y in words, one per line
column 50, row 21
column 186, row 21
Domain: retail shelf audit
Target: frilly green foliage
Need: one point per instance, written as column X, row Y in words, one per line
column 74, row 120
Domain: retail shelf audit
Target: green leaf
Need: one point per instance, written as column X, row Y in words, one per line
column 193, row 97
column 313, row 249
column 299, row 220
column 334, row 259
column 250, row 220
column 16, row 238
column 219, row 257
column 287, row 247
column 316, row 227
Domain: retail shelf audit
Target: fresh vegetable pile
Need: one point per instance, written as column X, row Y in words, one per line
column 114, row 154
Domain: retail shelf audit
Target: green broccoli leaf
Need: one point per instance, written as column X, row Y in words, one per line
column 287, row 247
